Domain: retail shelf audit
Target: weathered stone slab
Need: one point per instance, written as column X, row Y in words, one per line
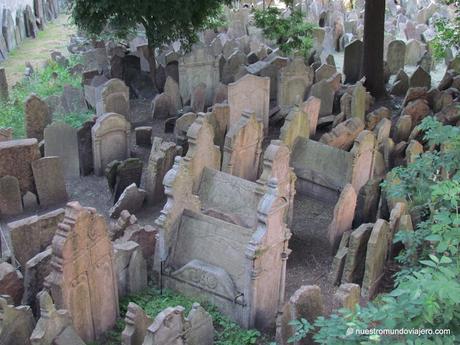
column 37, row 117
column 11, row 282
column 113, row 97
column 344, row 134
column 131, row 200
column 85, row 148
column 36, row 231
column 344, row 212
column 395, row 56
column 296, row 125
column 49, row 180
column 16, row 323
column 376, row 254
column 136, row 324
column 10, row 196
column 352, row 61
column 312, row 108
column 83, row 271
column 61, row 141
column 110, row 136
column 347, row 296
column 323, row 90
column 127, row 173
column 354, row 264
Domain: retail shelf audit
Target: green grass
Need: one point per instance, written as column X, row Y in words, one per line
column 152, row 302
column 46, row 82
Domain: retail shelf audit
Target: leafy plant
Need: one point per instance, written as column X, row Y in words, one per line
column 291, row 33
column 447, row 32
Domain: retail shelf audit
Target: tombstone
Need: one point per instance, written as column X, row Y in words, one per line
column 3, row 85
column 243, row 147
column 325, row 71
column 10, row 196
column 8, row 27
column 37, row 117
column 162, row 107
column 293, row 83
column 358, row 101
column 312, row 107
column 171, row 89
column 143, row 136
column 420, row 78
column 344, row 212
column 414, row 51
column 127, row 172
column 305, row 303
column 402, row 128
column 198, row 98
column 17, row 323
column 250, row 93
column 344, row 134
column 183, row 123
column 61, row 141
column 367, row 202
column 82, row 243
column 377, row 248
column 353, row 271
column 160, row 162
column 85, row 148
column 36, row 231
column 136, row 324
column 352, row 61
column 198, row 66
column 374, row 118
column 29, row 201
column 396, row 56
column 35, row 272
column 131, row 200
column 167, row 328
column 49, row 181
column 113, row 97
column 413, row 151
column 131, row 268
column 347, row 296
column 11, row 282
column 110, row 140
column 296, row 125
column 323, row 91
column 233, row 66
column 51, row 323
column 338, row 263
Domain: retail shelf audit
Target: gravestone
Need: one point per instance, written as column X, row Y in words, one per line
column 343, row 135
column 358, row 101
column 11, row 282
column 344, row 212
column 233, row 66
column 162, row 107
column 338, row 263
column 8, row 27
column 37, row 117
column 296, row 125
column 396, row 55
column 167, row 328
column 377, row 248
column 49, row 181
column 131, row 268
column 110, row 139
column 293, row 83
column 420, row 78
column 323, row 90
column 347, row 296
column 127, row 173
column 160, row 162
column 36, row 231
column 10, row 197
column 136, row 324
column 83, row 271
column 198, row 98
column 353, row 271
column 198, row 66
column 325, row 71
column 16, row 323
column 113, row 97
column 85, row 148
column 171, row 89
column 243, row 147
column 312, row 108
column 250, row 93
column 414, row 51
column 61, row 141
column 143, row 136
column 352, row 61
column 3, row 85
column 131, row 200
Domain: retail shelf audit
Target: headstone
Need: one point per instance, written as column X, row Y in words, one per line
column 167, row 328
column 344, row 212
column 162, row 107
column 396, row 55
column 367, row 203
column 358, row 101
column 343, row 135
column 160, row 162
column 8, row 27
column 353, row 271
column 85, row 148
column 49, row 181
column 127, row 173
column 201, row 331
column 325, row 71
column 131, row 268
column 136, row 324
column 30, row 22
column 10, row 196
column 312, row 108
column 324, row 91
column 83, row 271
column 347, row 296
column 3, row 86
column 338, row 263
column 352, row 61
column 413, row 151
column 243, row 147
column 250, row 93
column 113, row 97
column 29, row 201
column 296, row 125
column 11, row 282
column 414, row 51
column 198, row 98
column 17, row 323
column 110, row 139
column 61, row 141
column 402, row 128
column 37, row 117
column 377, row 248
column 36, row 231
column 131, row 200
column 420, row 78
column 171, row 89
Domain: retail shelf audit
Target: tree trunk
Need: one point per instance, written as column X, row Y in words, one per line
column 374, row 27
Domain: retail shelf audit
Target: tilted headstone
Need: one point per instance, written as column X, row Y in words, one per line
column 61, row 141
column 131, row 200
column 167, row 328
column 37, row 117
column 296, row 125
column 16, row 323
column 312, row 108
column 127, row 173
column 136, row 324
column 83, row 271
column 49, row 180
column 243, row 147
column 250, row 93
column 353, row 271
column 323, row 90
column 10, row 196
column 110, row 139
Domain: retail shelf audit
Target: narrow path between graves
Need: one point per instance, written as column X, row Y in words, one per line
column 37, row 51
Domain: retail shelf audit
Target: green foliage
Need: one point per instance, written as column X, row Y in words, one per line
column 427, row 293
column 164, row 21
column 301, row 327
column 217, row 20
column 152, row 302
column 448, row 33
column 46, row 82
column 292, row 34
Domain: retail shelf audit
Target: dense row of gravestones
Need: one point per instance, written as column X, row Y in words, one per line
column 231, row 137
